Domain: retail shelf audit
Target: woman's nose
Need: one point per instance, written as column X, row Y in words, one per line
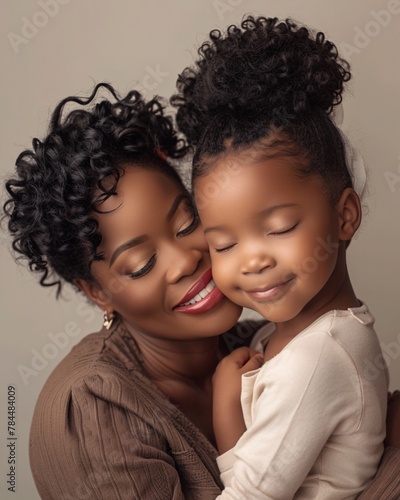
column 182, row 261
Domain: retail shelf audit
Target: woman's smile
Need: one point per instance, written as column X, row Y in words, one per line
column 155, row 248
column 201, row 297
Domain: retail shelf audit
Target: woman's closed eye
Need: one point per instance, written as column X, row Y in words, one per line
column 190, row 224
column 143, row 270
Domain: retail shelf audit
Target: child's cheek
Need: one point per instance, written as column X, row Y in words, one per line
column 222, row 273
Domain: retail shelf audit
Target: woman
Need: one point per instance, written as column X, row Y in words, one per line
column 127, row 414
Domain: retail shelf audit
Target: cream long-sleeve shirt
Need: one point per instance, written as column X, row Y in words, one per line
column 315, row 415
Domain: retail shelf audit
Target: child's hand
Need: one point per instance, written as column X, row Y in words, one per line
column 227, row 380
column 228, row 374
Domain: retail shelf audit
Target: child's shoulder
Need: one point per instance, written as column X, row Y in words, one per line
column 340, row 338
column 343, row 325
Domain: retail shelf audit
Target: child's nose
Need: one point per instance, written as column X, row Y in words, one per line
column 256, row 259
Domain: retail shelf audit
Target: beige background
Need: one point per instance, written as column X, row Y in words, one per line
column 47, row 56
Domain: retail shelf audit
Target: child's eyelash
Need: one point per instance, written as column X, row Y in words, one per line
column 276, row 233
column 225, row 249
column 286, row 231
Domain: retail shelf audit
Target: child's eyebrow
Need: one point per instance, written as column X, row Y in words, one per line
column 271, row 210
column 266, row 212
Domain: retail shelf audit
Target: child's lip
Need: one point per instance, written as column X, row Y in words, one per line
column 268, row 291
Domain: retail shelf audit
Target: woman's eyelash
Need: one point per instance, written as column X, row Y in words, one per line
column 150, row 264
column 145, row 269
column 192, row 226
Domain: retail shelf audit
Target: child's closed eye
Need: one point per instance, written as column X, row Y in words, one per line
column 224, row 249
column 283, row 231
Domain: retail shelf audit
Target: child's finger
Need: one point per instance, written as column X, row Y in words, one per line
column 241, row 355
column 254, row 363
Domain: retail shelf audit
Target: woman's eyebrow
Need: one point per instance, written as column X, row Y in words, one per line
column 175, row 205
column 138, row 240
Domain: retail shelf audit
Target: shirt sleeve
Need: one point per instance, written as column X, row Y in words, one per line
column 124, row 456
column 296, row 402
column 106, row 450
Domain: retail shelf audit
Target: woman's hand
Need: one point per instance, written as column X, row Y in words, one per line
column 227, row 381
column 393, row 420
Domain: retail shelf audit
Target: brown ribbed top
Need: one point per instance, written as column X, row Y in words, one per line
column 102, row 430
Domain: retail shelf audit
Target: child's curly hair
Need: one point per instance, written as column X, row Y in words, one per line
column 269, row 82
column 59, row 184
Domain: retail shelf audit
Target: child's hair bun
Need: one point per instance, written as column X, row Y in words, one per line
column 264, row 67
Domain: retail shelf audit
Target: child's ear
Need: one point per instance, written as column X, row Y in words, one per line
column 349, row 211
column 95, row 294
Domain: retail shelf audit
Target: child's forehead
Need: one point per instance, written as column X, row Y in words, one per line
column 233, row 164
column 234, row 179
column 254, row 194
column 276, row 144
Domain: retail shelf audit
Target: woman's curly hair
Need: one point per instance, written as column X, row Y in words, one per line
column 59, row 184
column 265, row 78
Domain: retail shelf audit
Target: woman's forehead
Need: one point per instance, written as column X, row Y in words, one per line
column 143, row 199
column 136, row 183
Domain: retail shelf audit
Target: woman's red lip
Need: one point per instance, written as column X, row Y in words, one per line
column 204, row 305
column 203, row 281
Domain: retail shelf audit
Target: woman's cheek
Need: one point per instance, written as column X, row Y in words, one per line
column 136, row 300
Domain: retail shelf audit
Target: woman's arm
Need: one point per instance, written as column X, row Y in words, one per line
column 105, row 452
column 103, row 438
column 393, row 420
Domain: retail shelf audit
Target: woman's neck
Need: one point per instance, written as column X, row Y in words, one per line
column 191, row 361
column 183, row 371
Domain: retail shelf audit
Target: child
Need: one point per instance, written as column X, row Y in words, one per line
column 279, row 209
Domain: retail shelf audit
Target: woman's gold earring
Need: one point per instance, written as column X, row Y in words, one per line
column 108, row 320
